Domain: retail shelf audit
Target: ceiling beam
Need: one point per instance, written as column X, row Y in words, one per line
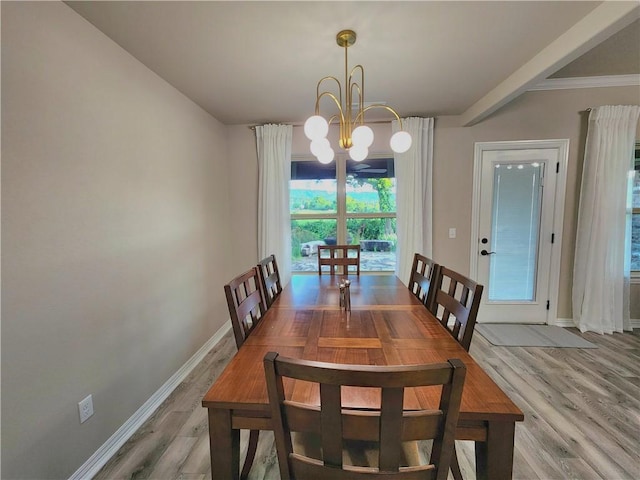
column 602, row 22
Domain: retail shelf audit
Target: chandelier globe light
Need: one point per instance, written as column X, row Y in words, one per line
column 355, row 136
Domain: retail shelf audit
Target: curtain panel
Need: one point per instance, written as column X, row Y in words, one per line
column 274, row 221
column 600, row 296
column 414, row 196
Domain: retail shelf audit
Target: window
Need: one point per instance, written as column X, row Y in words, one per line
column 635, row 216
column 343, row 202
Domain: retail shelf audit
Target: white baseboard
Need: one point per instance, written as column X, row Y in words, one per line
column 93, row 465
column 568, row 322
column 564, row 322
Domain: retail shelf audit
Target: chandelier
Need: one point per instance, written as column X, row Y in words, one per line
column 355, row 136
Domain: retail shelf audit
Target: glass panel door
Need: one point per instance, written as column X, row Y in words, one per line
column 515, row 231
column 516, row 198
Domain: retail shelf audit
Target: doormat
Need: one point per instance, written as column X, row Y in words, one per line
column 509, row 335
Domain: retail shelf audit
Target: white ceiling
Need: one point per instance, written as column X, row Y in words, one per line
column 256, row 62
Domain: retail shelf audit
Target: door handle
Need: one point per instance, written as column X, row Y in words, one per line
column 484, row 253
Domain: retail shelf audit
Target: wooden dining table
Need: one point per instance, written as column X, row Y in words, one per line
column 387, row 325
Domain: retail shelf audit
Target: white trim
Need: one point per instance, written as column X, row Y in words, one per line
column 558, row 225
column 101, row 456
column 475, row 208
column 564, row 322
column 587, row 82
column 562, row 145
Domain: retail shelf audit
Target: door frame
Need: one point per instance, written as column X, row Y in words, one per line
column 562, row 146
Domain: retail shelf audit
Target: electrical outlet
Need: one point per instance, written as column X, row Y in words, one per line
column 85, row 408
column 452, row 233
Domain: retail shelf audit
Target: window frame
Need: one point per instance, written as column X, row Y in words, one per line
column 341, row 215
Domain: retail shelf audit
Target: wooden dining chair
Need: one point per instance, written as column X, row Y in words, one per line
column 455, row 303
column 245, row 299
column 459, row 297
column 421, row 282
column 269, row 279
column 336, row 257
column 333, row 437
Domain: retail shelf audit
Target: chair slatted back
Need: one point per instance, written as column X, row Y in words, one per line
column 457, row 296
column 337, row 258
column 245, row 300
column 421, row 283
column 388, row 427
column 270, row 279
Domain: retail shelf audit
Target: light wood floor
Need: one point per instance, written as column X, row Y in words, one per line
column 581, row 406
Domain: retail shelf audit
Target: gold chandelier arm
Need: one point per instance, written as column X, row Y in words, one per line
column 350, row 86
column 360, row 114
column 319, row 95
column 334, row 98
column 345, row 133
column 353, row 71
column 332, row 118
column 379, row 105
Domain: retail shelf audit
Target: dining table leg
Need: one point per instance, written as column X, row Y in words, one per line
column 224, row 444
column 494, row 457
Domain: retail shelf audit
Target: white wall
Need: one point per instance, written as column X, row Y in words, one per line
column 243, row 195
column 115, row 236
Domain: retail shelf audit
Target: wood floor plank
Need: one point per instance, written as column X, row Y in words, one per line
column 562, row 418
column 617, row 388
column 196, row 424
column 622, row 426
column 577, row 469
column 171, row 461
column 137, row 458
column 533, row 451
column 199, row 460
column 581, row 406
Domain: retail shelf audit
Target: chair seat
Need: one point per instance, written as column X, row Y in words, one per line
column 357, row 453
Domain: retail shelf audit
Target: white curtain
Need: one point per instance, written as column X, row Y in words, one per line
column 414, row 194
column 601, row 262
column 274, row 166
